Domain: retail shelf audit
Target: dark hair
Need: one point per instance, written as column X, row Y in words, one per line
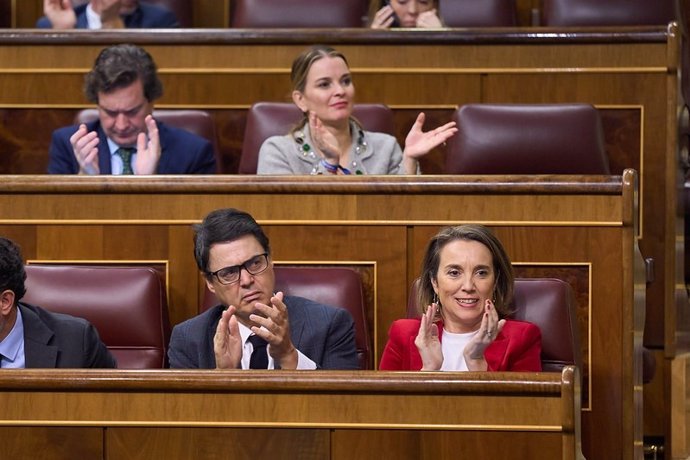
column 12, row 274
column 119, row 66
column 503, row 291
column 223, row 225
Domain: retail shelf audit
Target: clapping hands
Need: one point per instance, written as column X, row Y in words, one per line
column 148, row 148
column 427, row 340
column 60, row 13
column 324, row 141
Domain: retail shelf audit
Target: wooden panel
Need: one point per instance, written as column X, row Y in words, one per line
column 211, row 13
column 52, row 443
column 525, row 11
column 654, row 394
column 216, row 443
column 381, row 222
column 349, row 444
column 295, row 414
column 27, row 12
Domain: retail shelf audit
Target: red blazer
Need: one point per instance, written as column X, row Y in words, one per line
column 516, row 348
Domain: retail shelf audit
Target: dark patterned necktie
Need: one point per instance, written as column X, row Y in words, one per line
column 259, row 358
column 126, row 154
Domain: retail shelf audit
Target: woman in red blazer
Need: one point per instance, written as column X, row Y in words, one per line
column 467, row 284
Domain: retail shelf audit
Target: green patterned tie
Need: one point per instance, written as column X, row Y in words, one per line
column 126, row 154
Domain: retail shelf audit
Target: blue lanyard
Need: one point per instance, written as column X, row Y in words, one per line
column 333, row 169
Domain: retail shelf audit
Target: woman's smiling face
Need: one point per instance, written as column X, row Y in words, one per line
column 465, row 280
column 328, row 91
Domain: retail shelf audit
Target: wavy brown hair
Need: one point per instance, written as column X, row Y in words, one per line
column 505, row 278
column 119, row 66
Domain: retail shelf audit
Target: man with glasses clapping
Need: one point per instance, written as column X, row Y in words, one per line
column 254, row 327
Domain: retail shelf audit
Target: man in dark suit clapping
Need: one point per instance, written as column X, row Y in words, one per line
column 254, row 327
column 126, row 139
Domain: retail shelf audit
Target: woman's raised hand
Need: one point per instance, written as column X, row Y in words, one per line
column 427, row 341
column 418, row 143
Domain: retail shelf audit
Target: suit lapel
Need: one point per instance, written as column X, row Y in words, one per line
column 37, row 352
column 208, row 361
column 104, row 162
column 297, row 324
column 163, row 138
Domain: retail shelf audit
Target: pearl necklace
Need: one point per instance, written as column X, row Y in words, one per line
column 307, row 151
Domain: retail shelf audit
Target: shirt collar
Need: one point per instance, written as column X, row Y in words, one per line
column 112, row 146
column 245, row 332
column 93, row 19
column 10, row 346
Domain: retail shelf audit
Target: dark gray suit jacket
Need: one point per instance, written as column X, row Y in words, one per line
column 54, row 340
column 324, row 334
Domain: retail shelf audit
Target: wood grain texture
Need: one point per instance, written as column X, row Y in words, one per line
column 564, row 226
column 291, row 414
column 217, row 443
column 52, row 443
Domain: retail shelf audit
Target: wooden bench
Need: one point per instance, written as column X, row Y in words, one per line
column 124, row 415
column 578, row 229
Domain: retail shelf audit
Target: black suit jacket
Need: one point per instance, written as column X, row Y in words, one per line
column 54, row 340
column 324, row 334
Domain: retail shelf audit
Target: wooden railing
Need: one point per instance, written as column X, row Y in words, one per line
column 172, row 415
column 578, row 229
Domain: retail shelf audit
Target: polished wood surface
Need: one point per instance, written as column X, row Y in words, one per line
column 323, row 414
column 580, row 229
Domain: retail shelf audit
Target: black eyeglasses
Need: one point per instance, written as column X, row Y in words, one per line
column 230, row 275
